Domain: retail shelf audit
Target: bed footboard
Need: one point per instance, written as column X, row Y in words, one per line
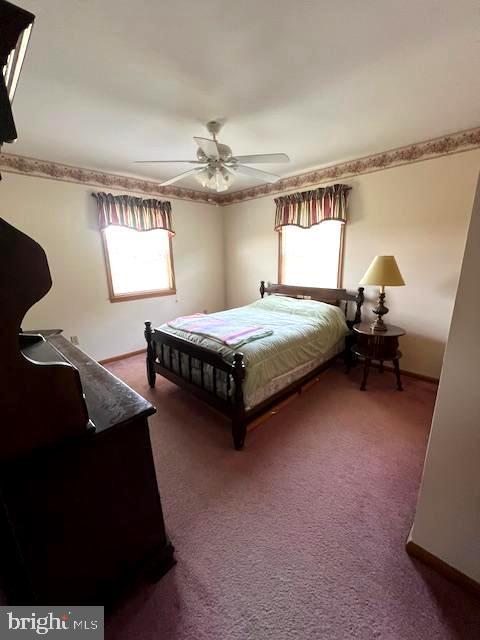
column 212, row 378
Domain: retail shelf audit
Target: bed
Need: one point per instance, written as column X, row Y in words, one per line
column 308, row 328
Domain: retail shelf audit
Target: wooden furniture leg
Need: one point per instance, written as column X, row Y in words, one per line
column 366, row 369
column 239, row 433
column 396, row 365
column 150, row 359
column 381, row 366
column 349, row 358
column 239, row 426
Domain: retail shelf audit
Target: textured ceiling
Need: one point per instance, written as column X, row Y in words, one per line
column 107, row 82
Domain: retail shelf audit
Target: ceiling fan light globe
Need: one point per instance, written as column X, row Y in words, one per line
column 228, row 176
column 225, row 152
column 224, row 179
column 220, row 183
column 202, row 177
column 215, row 178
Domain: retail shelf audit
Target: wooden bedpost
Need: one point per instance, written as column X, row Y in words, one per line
column 262, row 288
column 359, row 300
column 239, row 425
column 150, row 355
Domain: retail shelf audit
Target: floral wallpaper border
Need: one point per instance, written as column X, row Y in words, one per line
column 454, row 143
column 45, row 169
column 445, row 145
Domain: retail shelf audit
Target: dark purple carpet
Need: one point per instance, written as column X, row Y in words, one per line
column 301, row 535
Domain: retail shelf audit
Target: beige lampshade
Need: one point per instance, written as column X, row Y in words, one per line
column 384, row 272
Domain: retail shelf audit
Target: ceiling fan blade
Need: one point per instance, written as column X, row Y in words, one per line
column 263, row 157
column 160, row 161
column 256, row 173
column 181, row 176
column 209, row 147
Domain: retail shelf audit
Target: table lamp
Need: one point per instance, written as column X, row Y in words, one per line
column 383, row 272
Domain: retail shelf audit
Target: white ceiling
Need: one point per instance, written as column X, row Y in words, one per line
column 107, row 82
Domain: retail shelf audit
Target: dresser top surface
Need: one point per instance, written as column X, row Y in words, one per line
column 109, row 400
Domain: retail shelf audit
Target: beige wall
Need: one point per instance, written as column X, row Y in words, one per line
column 417, row 212
column 447, row 521
column 62, row 218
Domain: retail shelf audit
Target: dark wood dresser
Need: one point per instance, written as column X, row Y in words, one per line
column 80, row 511
column 82, row 519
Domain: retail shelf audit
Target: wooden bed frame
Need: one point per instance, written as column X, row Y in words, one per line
column 162, row 347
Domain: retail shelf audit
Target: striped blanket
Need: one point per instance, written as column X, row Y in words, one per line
column 229, row 332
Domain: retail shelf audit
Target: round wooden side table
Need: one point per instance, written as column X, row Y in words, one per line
column 380, row 346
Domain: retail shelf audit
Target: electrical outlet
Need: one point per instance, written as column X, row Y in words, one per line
column 74, row 340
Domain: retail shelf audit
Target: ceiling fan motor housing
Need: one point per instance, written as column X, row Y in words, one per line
column 224, row 152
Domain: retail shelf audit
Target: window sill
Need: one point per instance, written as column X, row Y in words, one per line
column 139, row 295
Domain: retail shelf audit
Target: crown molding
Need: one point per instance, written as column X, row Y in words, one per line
column 435, row 148
column 12, row 163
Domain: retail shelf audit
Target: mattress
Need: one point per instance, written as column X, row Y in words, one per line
column 305, row 333
column 257, row 396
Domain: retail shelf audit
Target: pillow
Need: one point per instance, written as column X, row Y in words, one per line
column 297, row 306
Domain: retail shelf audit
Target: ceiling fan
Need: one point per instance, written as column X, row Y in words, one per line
column 216, row 166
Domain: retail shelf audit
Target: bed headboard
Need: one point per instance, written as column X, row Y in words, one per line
column 330, row 296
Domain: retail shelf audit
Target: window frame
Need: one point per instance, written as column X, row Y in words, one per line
column 137, row 295
column 340, row 256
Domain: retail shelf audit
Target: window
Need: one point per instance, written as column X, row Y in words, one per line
column 311, row 257
column 139, row 263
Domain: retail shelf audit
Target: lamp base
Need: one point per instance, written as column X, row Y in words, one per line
column 379, row 325
column 380, row 310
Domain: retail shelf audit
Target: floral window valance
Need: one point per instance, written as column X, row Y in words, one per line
column 308, row 208
column 136, row 213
